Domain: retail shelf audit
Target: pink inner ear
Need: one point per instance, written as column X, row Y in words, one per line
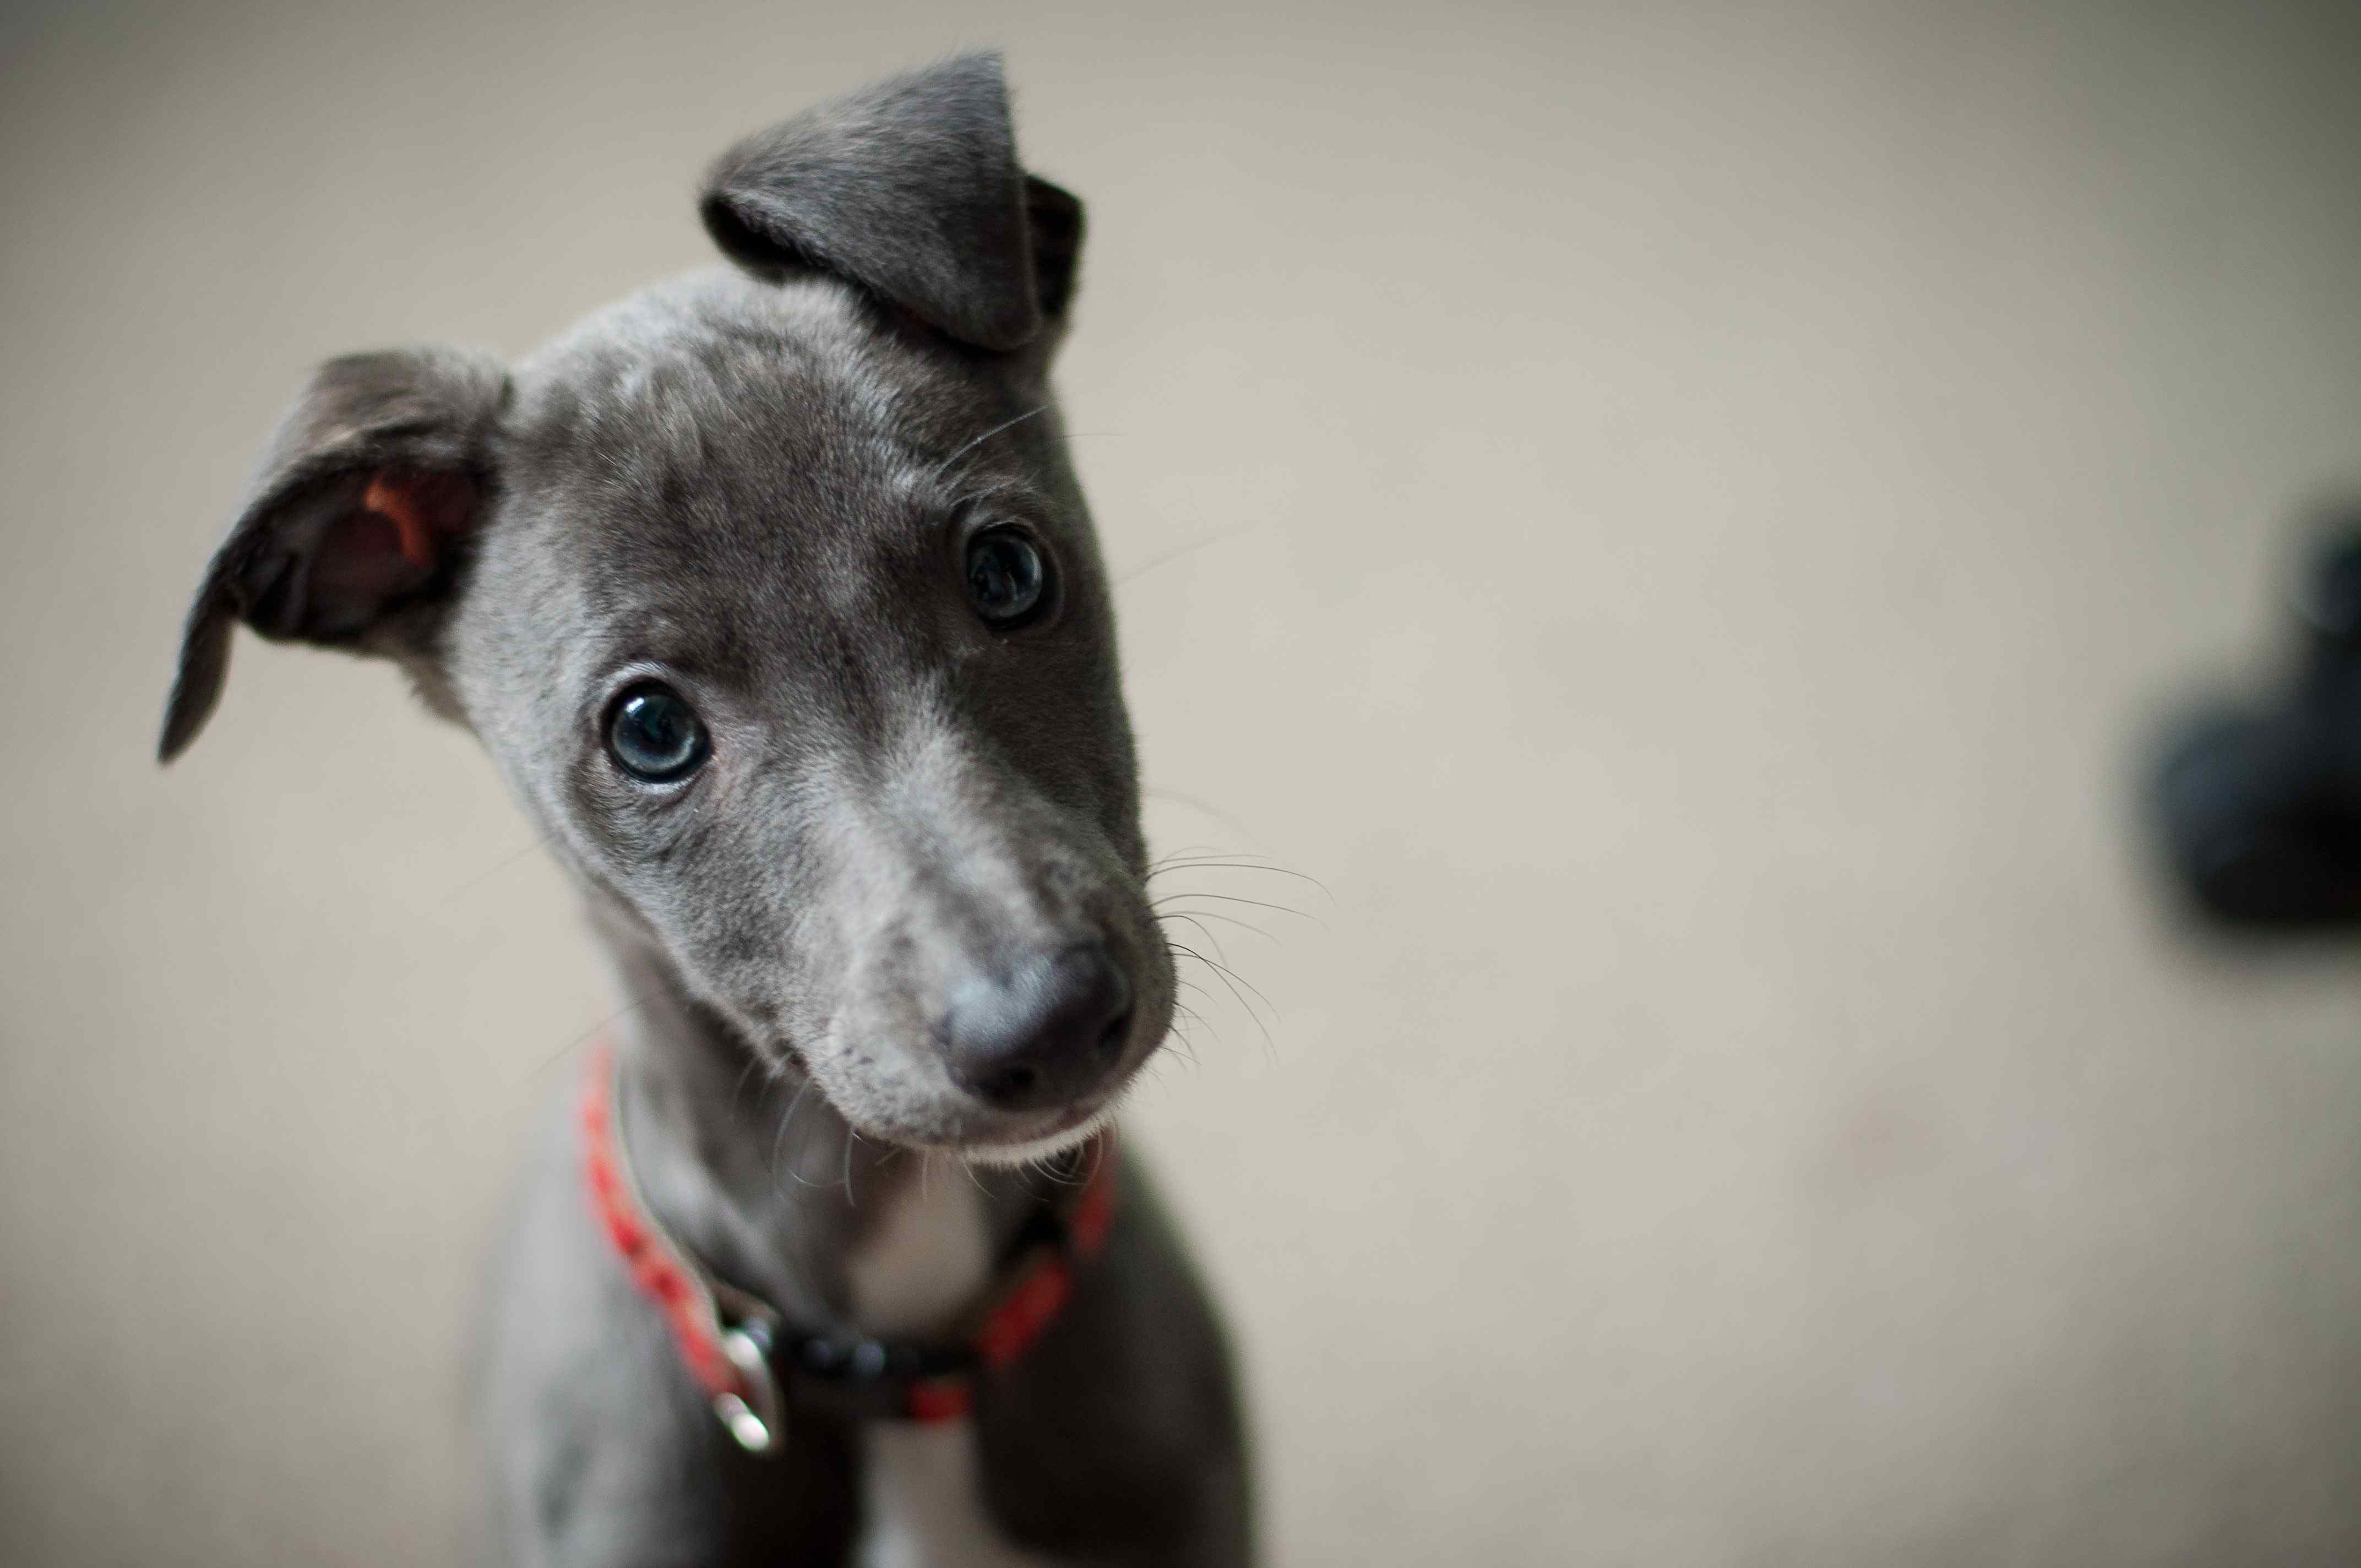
column 425, row 509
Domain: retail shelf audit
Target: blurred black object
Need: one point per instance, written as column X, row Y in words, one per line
column 2260, row 808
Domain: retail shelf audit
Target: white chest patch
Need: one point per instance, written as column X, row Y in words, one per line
column 920, row 1483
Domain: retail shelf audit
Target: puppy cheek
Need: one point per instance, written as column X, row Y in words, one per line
column 875, row 1096
column 884, row 1043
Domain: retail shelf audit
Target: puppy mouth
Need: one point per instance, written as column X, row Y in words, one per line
column 978, row 1136
column 1058, row 1132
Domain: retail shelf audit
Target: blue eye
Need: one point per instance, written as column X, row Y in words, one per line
column 657, row 736
column 1007, row 580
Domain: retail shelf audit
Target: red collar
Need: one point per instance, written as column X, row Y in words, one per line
column 744, row 1354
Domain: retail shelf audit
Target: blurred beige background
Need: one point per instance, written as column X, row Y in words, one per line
column 1687, row 516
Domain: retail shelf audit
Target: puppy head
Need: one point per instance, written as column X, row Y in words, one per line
column 772, row 597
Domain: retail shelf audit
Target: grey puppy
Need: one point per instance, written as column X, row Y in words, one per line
column 774, row 598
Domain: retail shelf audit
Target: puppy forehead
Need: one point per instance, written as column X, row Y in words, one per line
column 734, row 428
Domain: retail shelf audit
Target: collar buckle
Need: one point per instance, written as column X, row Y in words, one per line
column 756, row 1418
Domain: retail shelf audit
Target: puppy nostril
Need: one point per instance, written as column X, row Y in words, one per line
column 1011, row 1083
column 1110, row 1042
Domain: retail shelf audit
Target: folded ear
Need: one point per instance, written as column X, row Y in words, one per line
column 909, row 188
column 347, row 534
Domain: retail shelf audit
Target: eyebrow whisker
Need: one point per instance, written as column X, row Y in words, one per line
column 1005, row 424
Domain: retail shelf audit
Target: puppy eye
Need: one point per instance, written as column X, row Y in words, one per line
column 655, row 735
column 1008, row 580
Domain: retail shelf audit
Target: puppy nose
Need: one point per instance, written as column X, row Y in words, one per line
column 1044, row 1033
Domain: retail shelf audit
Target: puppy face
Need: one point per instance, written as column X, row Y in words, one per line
column 791, row 630
column 772, row 597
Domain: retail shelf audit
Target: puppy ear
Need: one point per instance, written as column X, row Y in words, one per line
column 347, row 535
column 910, row 189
